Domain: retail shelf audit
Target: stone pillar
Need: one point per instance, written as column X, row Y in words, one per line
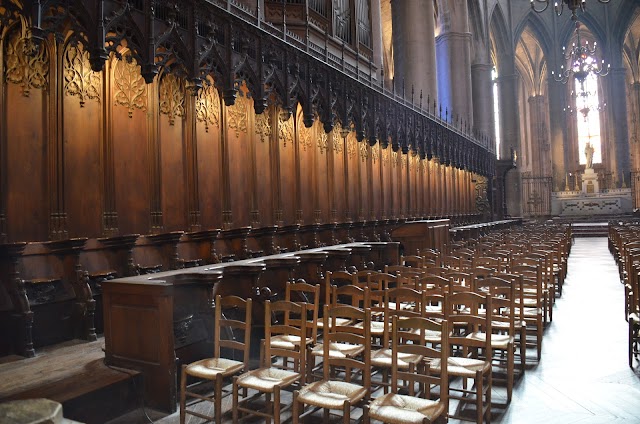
column 558, row 133
column 539, row 135
column 414, row 51
column 633, row 122
column 618, row 119
column 482, row 95
column 510, row 130
column 453, row 50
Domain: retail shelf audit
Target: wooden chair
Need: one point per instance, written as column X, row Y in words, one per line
column 219, row 368
column 531, row 304
column 414, row 407
column 336, row 278
column 503, row 339
column 414, row 261
column 472, row 356
column 340, row 389
column 398, row 302
column 270, row 380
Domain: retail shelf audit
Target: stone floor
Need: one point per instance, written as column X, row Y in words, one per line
column 583, row 376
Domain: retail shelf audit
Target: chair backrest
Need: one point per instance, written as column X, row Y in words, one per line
column 408, row 338
column 309, row 294
column 336, row 278
column 280, row 309
column 414, row 261
column 350, row 334
column 503, row 294
column 381, row 280
column 463, row 310
column 233, row 326
column 433, row 283
column 351, row 295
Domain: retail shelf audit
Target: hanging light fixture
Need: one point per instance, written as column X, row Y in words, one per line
column 573, row 5
column 584, row 104
column 580, row 61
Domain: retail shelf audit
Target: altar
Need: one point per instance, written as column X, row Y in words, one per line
column 590, row 200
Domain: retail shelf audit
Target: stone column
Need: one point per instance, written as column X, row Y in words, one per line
column 482, row 95
column 539, row 135
column 618, row 119
column 510, row 130
column 558, row 133
column 453, row 50
column 414, row 51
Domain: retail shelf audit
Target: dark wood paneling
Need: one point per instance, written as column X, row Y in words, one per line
column 286, row 152
column 209, row 171
column 27, row 207
column 172, row 174
column 239, row 135
column 82, row 128
column 129, row 130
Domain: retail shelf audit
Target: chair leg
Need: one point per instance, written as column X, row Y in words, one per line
column 183, row 393
column 479, row 397
column 276, row 406
column 217, row 400
column 346, row 413
column 510, row 371
column 365, row 415
column 488, row 398
column 235, row 400
column 295, row 413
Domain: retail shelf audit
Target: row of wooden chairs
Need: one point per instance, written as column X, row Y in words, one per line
column 624, row 245
column 510, row 300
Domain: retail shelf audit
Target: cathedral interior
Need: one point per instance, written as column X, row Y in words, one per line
column 156, row 154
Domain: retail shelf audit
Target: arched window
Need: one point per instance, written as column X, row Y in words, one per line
column 588, row 117
column 496, row 110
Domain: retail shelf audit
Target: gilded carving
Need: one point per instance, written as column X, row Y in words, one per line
column 27, row 70
column 208, row 106
column 285, row 130
column 351, row 145
column 394, row 159
column 323, row 142
column 171, row 97
column 375, row 153
column 79, row 79
column 402, row 159
column 130, row 88
column 263, row 126
column 306, row 140
column 364, row 150
column 337, row 139
column 385, row 156
column 238, row 115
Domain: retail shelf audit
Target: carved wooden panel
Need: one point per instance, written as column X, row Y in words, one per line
column 130, row 147
column 82, row 143
column 24, row 78
column 322, row 181
column 238, row 139
column 266, row 182
column 287, row 166
column 307, row 155
column 339, row 191
column 172, row 153
column 208, row 134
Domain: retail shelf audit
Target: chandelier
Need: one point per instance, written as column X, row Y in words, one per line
column 573, row 5
column 580, row 61
column 584, row 102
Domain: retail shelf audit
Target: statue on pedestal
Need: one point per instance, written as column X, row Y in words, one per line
column 588, row 152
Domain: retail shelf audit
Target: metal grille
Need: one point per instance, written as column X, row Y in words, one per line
column 536, row 196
